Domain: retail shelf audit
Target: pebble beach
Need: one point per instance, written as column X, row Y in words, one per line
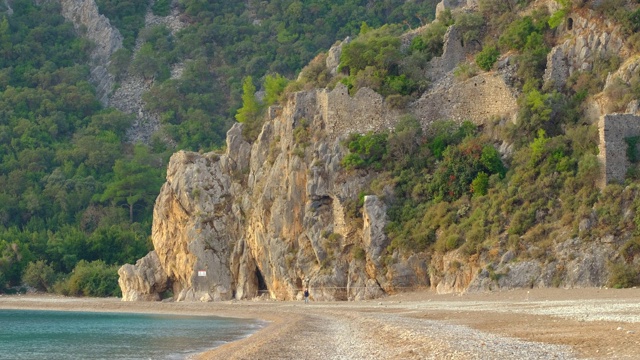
column 515, row 324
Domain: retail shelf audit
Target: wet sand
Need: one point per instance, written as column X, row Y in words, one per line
column 517, row 324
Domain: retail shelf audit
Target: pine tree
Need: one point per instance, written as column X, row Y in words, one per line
column 250, row 107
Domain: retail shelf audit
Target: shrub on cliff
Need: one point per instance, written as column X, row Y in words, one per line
column 365, row 151
column 274, row 86
column 487, row 57
column 517, row 33
column 460, row 166
column 430, row 41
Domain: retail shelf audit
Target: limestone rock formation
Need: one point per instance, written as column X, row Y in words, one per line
column 97, row 28
column 588, row 38
column 143, row 282
column 333, row 55
column 268, row 217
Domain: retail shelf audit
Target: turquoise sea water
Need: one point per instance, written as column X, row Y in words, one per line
column 53, row 335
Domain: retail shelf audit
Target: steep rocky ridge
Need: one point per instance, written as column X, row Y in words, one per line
column 127, row 96
column 107, row 39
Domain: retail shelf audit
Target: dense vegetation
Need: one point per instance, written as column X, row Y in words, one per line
column 74, row 197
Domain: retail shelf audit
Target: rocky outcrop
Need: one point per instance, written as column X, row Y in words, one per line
column 145, row 281
column 588, row 38
column 453, row 4
column 574, row 264
column 270, row 217
column 274, row 216
column 333, row 55
column 107, row 39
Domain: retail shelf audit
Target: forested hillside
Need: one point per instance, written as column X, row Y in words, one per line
column 75, row 197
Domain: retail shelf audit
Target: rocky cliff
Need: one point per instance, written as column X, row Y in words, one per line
column 274, row 216
column 269, row 217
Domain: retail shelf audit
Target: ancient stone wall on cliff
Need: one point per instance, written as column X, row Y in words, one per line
column 478, row 99
column 365, row 111
column 613, row 130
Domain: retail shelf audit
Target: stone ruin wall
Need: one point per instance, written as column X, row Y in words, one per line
column 454, row 52
column 365, row 111
column 477, row 99
column 613, row 129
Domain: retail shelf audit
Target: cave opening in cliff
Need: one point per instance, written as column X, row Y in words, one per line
column 569, row 24
column 262, row 285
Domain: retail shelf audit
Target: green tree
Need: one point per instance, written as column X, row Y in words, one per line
column 66, row 247
column 118, row 244
column 93, row 279
column 534, row 113
column 14, row 257
column 39, row 275
column 148, row 64
column 487, row 57
column 135, row 181
column 480, row 185
column 120, row 61
column 250, row 106
column 274, row 85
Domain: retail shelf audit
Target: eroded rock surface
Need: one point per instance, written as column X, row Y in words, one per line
column 107, row 39
column 145, row 281
column 270, row 217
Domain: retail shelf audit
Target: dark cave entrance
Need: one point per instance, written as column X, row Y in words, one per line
column 569, row 24
column 262, row 285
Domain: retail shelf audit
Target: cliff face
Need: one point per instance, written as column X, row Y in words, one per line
column 275, row 216
column 270, row 218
